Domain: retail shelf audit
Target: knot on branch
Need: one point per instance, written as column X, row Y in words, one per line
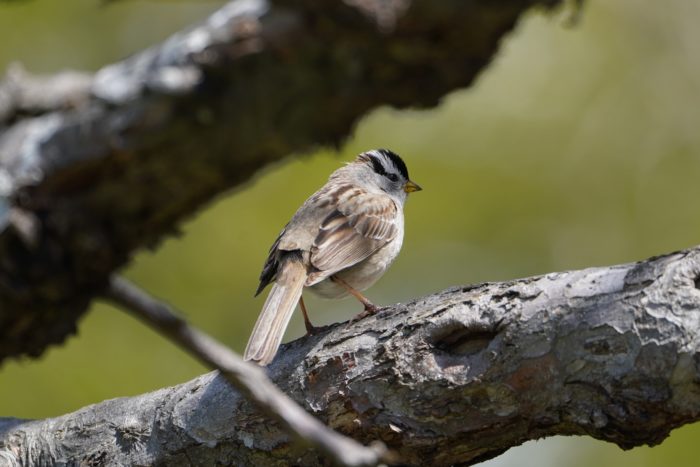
column 456, row 339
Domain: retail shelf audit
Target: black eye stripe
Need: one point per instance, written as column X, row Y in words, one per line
column 375, row 157
column 379, row 169
column 396, row 160
column 377, row 165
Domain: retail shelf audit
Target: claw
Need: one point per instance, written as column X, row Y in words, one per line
column 317, row 330
column 311, row 330
column 370, row 309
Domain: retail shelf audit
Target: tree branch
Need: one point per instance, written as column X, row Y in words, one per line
column 247, row 378
column 455, row 377
column 95, row 167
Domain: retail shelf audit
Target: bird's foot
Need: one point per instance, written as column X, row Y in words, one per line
column 370, row 309
column 312, row 330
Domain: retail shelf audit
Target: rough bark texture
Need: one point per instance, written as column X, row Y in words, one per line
column 456, row 377
column 94, row 167
column 247, row 378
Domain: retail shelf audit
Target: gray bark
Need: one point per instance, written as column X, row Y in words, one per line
column 95, row 167
column 455, row 377
column 247, row 378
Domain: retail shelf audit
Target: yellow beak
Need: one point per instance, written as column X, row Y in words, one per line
column 410, row 187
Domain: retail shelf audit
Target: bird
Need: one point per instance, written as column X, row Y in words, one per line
column 338, row 243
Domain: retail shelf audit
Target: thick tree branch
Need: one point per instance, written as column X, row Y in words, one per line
column 94, row 167
column 456, row 377
column 247, row 378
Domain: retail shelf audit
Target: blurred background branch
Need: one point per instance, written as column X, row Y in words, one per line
column 452, row 378
column 23, row 95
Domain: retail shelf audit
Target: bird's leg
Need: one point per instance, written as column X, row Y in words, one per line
column 310, row 328
column 370, row 308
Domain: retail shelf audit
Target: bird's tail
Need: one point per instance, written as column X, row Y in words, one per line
column 276, row 312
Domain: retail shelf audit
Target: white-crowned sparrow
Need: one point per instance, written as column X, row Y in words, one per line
column 340, row 241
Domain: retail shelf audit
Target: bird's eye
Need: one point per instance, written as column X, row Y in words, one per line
column 392, row 177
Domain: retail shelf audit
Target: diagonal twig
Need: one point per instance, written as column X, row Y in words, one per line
column 247, row 378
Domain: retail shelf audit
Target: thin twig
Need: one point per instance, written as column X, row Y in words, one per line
column 247, row 378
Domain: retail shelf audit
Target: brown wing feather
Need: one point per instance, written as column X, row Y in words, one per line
column 361, row 224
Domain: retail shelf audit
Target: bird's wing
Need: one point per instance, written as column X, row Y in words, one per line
column 361, row 224
column 299, row 233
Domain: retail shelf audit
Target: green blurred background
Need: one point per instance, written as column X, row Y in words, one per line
column 579, row 146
